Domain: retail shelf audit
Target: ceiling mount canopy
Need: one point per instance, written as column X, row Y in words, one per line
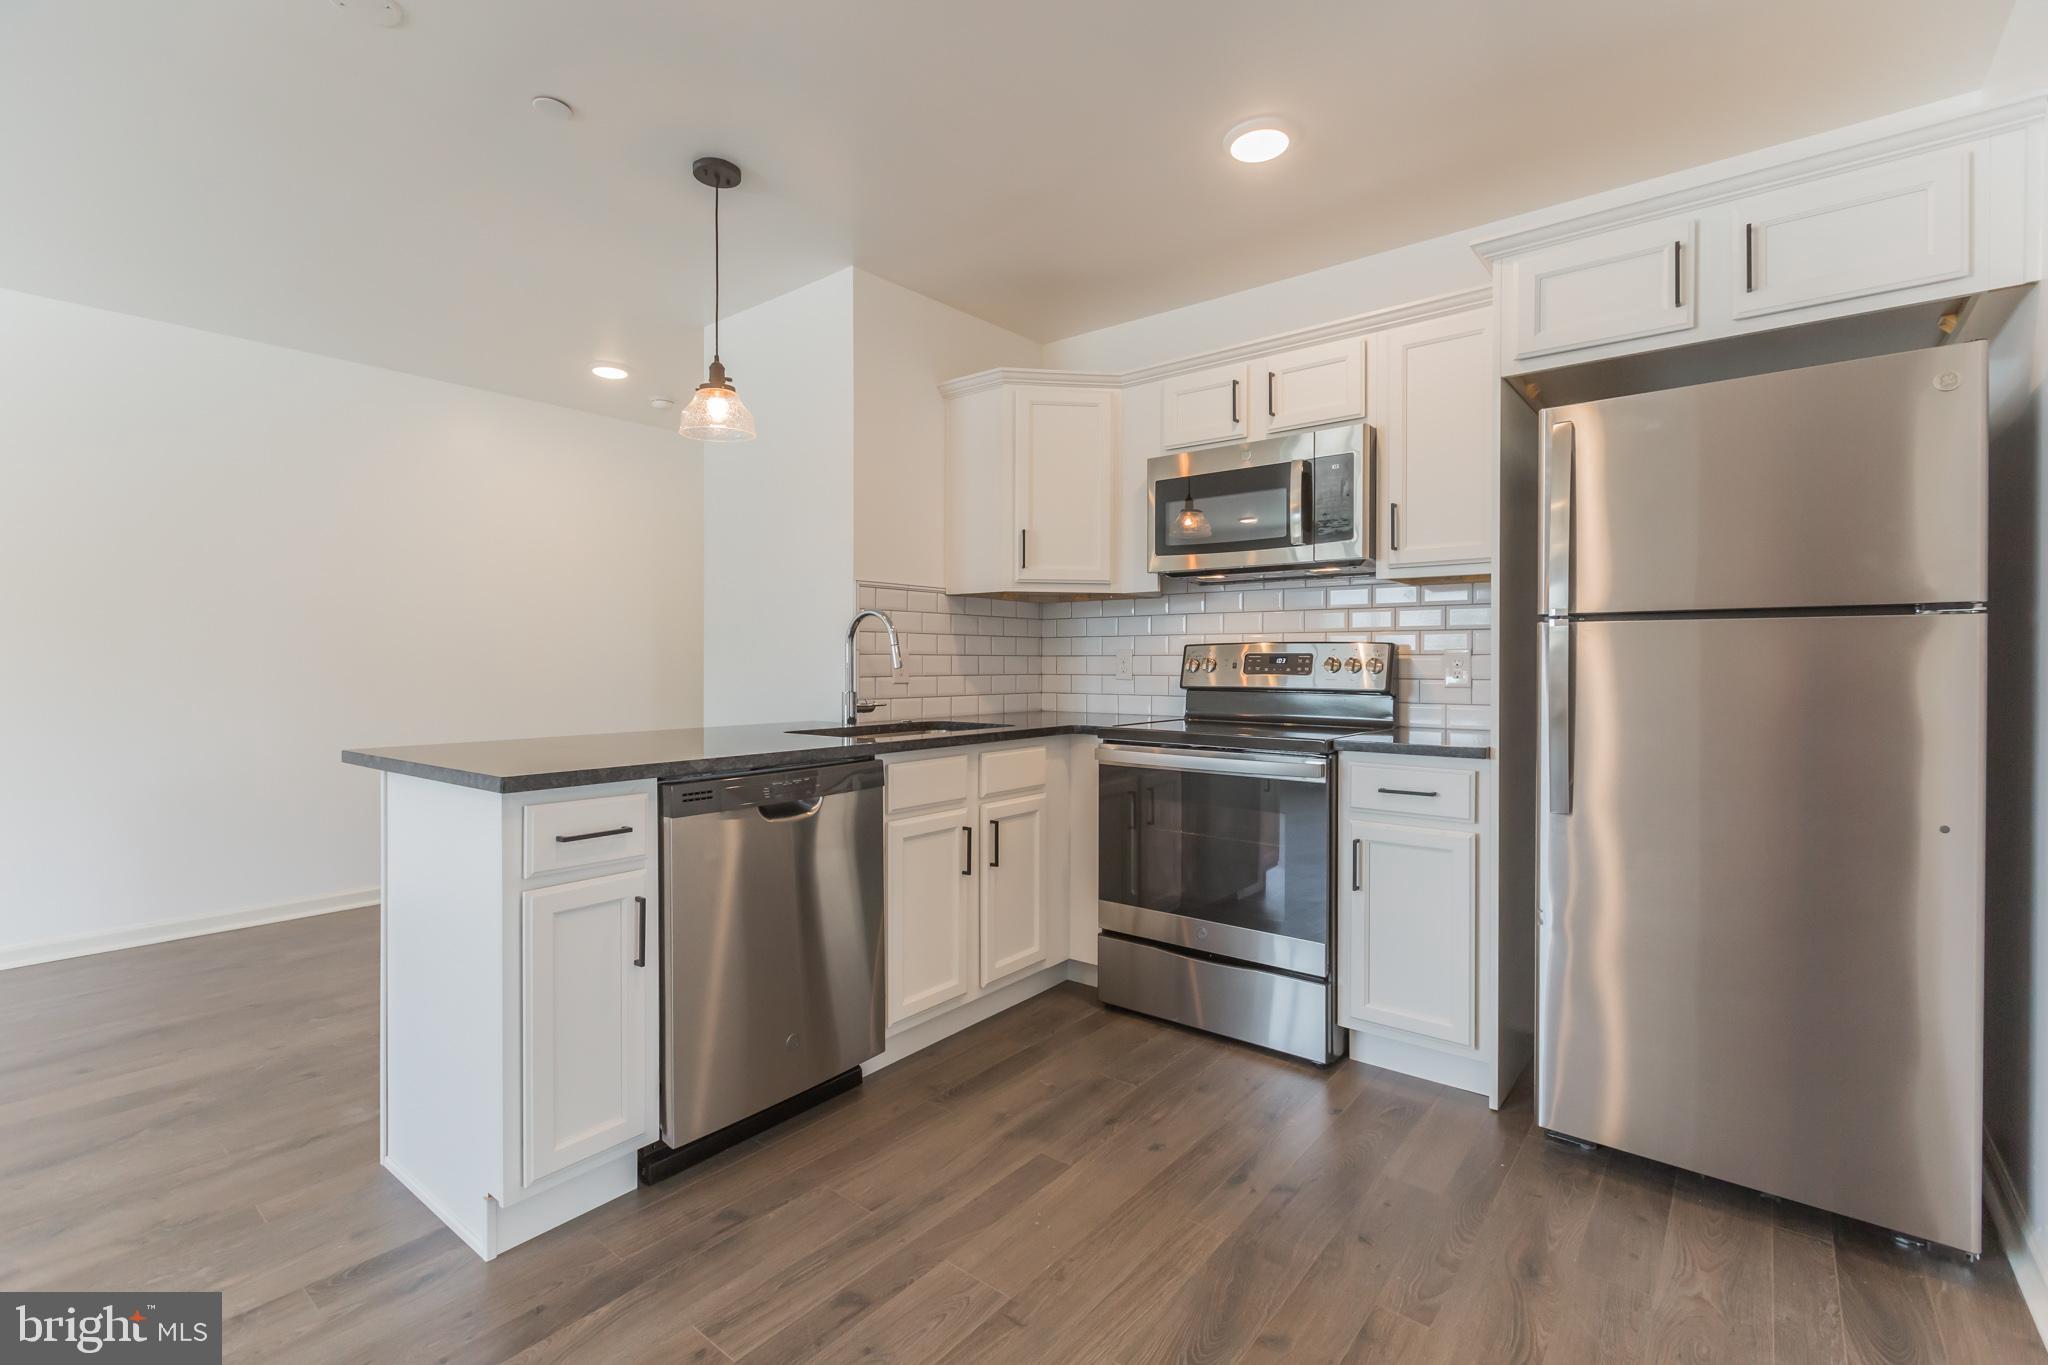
column 716, row 413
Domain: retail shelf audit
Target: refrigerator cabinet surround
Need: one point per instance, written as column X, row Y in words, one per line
column 1761, row 783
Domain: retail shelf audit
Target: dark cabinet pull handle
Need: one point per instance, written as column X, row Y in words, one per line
column 1678, row 274
column 1269, row 395
column 1394, row 523
column 1134, row 810
column 1749, row 258
column 1151, row 806
column 594, row 834
column 995, row 843
column 1233, row 402
column 1403, row 791
column 967, row 857
column 641, row 960
column 1358, row 864
column 1023, row 549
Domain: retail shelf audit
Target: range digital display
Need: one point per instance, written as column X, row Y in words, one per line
column 1279, row 663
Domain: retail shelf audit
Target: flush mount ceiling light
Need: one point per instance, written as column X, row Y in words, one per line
column 1258, row 139
column 716, row 412
column 1192, row 520
column 610, row 371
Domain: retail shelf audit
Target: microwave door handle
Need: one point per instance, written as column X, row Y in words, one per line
column 1297, row 499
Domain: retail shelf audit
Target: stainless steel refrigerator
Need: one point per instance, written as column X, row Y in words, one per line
column 1761, row 927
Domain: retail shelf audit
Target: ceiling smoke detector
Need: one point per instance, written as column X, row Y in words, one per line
column 382, row 13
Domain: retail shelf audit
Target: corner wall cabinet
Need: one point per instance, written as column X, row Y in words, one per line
column 1032, row 485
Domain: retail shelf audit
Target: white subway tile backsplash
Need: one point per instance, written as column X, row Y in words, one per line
column 967, row 656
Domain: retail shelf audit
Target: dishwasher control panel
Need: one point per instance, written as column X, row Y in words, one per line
column 791, row 787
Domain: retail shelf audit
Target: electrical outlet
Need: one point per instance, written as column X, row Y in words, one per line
column 1123, row 662
column 1457, row 668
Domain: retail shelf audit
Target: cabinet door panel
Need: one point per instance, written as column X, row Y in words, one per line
column 1066, row 453
column 1636, row 281
column 1014, row 903
column 1893, row 226
column 929, row 904
column 1205, row 406
column 1437, row 404
column 588, row 1070
column 1409, row 928
column 1309, row 386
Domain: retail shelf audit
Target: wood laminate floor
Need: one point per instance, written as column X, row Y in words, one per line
column 1062, row 1183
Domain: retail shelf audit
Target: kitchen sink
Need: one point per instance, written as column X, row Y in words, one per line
column 903, row 729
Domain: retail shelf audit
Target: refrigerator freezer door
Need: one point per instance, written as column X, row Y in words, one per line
column 1855, row 484
column 1761, row 938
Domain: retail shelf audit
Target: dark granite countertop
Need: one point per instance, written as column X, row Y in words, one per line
column 523, row 765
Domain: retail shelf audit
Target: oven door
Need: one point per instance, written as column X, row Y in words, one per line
column 1221, row 853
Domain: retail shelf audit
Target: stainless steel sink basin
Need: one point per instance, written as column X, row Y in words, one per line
column 903, row 729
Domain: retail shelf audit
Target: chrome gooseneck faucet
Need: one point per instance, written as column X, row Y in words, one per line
column 855, row 707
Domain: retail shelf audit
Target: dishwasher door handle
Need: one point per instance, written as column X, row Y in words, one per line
column 791, row 810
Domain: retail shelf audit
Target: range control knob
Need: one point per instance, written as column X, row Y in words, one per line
column 1353, row 664
column 1375, row 665
column 1193, row 665
column 1330, row 665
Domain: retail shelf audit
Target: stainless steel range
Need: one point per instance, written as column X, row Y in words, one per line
column 1217, row 853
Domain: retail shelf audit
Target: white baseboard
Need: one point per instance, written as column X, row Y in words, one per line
column 1083, row 972
column 2009, row 1215
column 163, row 931
column 921, row 1035
column 478, row 1241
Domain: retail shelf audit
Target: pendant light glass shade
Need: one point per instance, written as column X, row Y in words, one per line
column 715, row 412
column 1192, row 522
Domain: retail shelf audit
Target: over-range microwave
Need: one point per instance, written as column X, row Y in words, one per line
column 1301, row 502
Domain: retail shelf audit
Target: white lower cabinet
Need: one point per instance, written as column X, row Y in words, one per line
column 589, row 996
column 1411, row 920
column 929, row 872
column 968, row 902
column 1409, row 907
column 1015, row 911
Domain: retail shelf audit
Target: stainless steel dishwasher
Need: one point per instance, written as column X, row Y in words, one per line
column 771, row 951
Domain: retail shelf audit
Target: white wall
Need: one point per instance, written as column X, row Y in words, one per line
column 1440, row 265
column 778, row 529
column 905, row 346
column 224, row 562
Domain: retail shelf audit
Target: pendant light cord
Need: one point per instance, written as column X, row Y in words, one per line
column 715, row 271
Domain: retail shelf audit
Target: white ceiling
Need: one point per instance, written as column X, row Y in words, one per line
column 284, row 170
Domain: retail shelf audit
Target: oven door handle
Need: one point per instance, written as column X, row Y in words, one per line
column 1272, row 766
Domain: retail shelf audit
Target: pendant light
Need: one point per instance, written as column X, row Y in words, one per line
column 716, row 412
column 1192, row 521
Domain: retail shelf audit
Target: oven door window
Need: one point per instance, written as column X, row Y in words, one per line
column 1240, row 509
column 1246, row 851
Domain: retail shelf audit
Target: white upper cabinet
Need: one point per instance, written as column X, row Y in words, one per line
column 1206, row 406
column 1914, row 218
column 1065, row 467
column 1309, row 386
column 1636, row 281
column 1884, row 227
column 1034, row 484
column 1433, row 386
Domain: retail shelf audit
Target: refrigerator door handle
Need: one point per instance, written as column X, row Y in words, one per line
column 1557, row 721
column 1560, row 443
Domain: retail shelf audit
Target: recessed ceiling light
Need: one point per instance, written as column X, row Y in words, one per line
column 660, row 401
column 1259, row 139
column 548, row 106
column 609, row 371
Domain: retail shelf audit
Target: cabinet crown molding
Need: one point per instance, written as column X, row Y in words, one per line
column 990, row 379
column 2030, row 112
column 1358, row 324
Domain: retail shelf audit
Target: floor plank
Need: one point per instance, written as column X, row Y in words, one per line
column 1060, row 1182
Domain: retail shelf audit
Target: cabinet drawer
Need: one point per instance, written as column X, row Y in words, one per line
column 1391, row 789
column 595, row 829
column 1013, row 770
column 918, row 782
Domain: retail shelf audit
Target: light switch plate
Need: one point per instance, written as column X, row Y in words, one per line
column 1457, row 668
column 1123, row 662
